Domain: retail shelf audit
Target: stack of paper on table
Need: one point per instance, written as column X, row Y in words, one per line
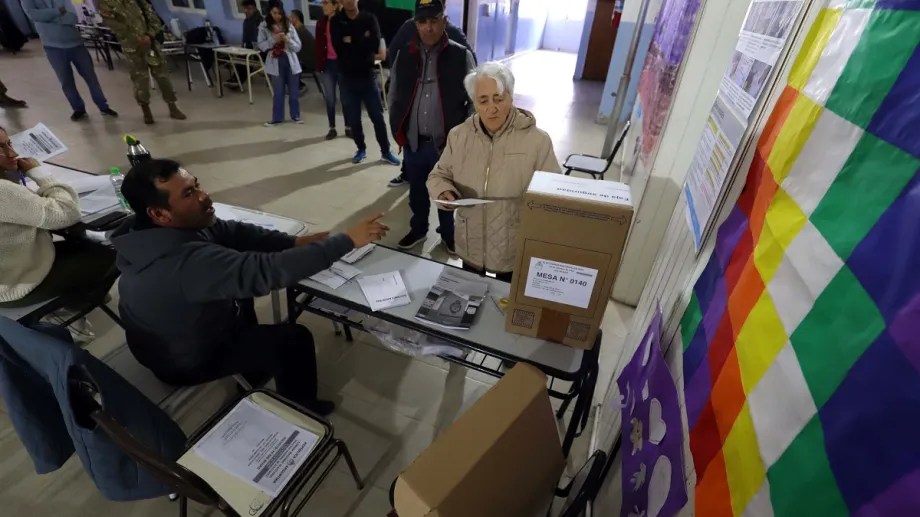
column 358, row 254
column 337, row 275
column 384, row 291
column 102, row 199
column 453, row 301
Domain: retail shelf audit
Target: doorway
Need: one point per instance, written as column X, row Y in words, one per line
column 493, row 23
column 565, row 22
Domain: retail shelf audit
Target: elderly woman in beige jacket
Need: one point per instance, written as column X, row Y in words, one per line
column 493, row 156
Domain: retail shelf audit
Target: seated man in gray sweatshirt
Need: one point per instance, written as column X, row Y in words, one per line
column 188, row 280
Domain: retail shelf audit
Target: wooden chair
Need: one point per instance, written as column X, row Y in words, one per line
column 594, row 165
column 189, row 483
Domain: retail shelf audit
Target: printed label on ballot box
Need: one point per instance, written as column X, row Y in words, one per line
column 559, row 282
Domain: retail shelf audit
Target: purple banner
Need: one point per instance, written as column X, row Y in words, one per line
column 652, row 433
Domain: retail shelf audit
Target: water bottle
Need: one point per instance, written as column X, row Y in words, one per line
column 137, row 153
column 117, row 178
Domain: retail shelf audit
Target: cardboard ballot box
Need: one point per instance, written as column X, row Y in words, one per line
column 502, row 458
column 572, row 235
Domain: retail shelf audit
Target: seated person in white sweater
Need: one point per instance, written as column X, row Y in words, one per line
column 34, row 268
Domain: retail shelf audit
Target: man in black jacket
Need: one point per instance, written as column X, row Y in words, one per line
column 357, row 41
column 406, row 33
column 427, row 100
column 251, row 24
column 188, row 280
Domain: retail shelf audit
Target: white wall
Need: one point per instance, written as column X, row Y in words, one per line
column 657, row 188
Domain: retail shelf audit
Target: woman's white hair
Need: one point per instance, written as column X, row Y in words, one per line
column 500, row 73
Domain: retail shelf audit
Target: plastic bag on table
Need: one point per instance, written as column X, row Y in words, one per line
column 408, row 341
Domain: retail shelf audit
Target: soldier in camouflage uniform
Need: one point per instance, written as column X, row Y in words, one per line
column 136, row 25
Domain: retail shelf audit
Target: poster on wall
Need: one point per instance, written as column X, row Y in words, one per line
column 721, row 137
column 763, row 36
column 676, row 22
column 801, row 341
column 652, row 433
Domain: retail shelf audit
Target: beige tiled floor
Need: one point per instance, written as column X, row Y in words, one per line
column 390, row 406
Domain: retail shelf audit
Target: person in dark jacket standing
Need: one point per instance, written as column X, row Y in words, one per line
column 250, row 39
column 427, row 100
column 188, row 280
column 307, row 53
column 407, row 32
column 251, row 24
column 356, row 39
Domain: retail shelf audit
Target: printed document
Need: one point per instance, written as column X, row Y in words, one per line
column 39, row 143
column 384, row 291
column 257, row 446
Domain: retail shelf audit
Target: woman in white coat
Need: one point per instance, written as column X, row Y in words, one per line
column 278, row 37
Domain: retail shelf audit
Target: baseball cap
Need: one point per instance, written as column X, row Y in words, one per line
column 425, row 9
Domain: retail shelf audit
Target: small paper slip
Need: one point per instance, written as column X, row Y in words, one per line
column 358, row 254
column 384, row 291
column 464, row 202
column 329, row 279
column 257, row 446
column 337, row 275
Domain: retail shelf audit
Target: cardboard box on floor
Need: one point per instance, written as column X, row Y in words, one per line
column 502, row 458
column 572, row 235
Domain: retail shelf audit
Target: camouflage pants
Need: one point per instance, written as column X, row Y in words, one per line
column 143, row 66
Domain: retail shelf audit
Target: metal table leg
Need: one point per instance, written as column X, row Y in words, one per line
column 220, row 82
column 276, row 307
column 586, row 385
column 249, row 79
column 188, row 70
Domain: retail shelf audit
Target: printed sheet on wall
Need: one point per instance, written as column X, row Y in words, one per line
column 802, row 338
column 763, row 36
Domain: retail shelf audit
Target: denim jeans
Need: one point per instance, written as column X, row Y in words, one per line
column 419, row 164
column 61, row 60
column 291, row 81
column 332, row 80
column 364, row 90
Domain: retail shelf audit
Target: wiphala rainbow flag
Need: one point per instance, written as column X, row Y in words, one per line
column 802, row 339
